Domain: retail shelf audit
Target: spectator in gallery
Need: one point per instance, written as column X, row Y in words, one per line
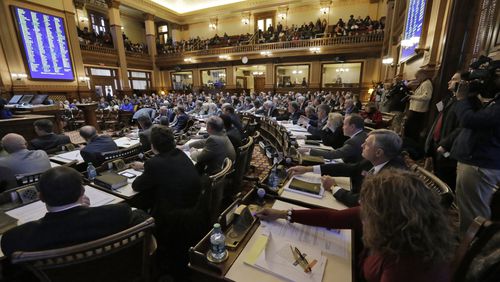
column 304, row 82
column 127, row 106
column 419, row 105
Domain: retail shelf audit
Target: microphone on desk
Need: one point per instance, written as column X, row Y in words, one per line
column 261, row 193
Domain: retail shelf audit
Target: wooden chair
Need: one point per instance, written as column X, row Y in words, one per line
column 124, row 256
column 437, row 185
column 78, row 119
column 112, row 120
column 240, row 167
column 478, row 235
column 214, row 192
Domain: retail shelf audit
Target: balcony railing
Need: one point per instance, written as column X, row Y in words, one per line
column 97, row 48
column 297, row 44
column 137, row 54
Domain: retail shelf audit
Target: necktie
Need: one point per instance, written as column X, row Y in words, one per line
column 371, row 171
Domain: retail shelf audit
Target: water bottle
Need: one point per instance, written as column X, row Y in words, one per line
column 91, row 172
column 218, row 243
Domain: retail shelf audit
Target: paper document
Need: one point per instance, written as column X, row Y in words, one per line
column 126, row 142
column 69, row 156
column 329, row 241
column 276, row 256
column 98, row 197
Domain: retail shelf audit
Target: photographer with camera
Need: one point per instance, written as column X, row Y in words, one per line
column 477, row 147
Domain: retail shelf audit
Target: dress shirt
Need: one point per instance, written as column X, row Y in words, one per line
column 62, row 208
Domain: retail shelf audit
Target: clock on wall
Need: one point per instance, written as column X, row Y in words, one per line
column 244, row 60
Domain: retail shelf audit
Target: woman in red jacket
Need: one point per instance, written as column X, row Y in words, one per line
column 406, row 233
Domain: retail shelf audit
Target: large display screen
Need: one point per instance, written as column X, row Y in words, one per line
column 45, row 45
column 413, row 29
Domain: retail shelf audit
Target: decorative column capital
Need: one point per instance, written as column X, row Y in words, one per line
column 79, row 4
column 149, row 17
column 113, row 4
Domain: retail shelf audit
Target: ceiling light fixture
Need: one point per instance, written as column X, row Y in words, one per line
column 315, row 50
column 387, row 61
column 266, row 53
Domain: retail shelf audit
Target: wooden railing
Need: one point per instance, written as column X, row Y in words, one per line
column 96, row 48
column 136, row 54
column 302, row 44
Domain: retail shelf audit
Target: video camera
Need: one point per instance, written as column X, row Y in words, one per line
column 482, row 77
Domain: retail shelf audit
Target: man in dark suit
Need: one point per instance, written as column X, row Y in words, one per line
column 442, row 134
column 145, row 124
column 96, row 145
column 232, row 132
column 228, row 110
column 381, row 150
column 69, row 220
column 47, row 139
column 170, row 175
column 350, row 152
column 315, row 127
column 294, row 112
column 214, row 149
column 180, row 120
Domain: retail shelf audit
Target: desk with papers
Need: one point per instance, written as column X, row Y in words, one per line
column 126, row 142
column 68, row 157
column 126, row 191
column 335, row 245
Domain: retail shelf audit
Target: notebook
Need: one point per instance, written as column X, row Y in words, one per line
column 305, row 187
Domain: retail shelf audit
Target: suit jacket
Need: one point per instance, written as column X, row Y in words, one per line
column 316, row 130
column 26, row 162
column 295, row 116
column 180, row 122
column 355, row 171
column 49, row 141
column 73, row 226
column 334, row 139
column 172, row 180
column 350, row 152
column 145, row 139
column 235, row 137
column 450, row 128
column 95, row 147
column 215, row 149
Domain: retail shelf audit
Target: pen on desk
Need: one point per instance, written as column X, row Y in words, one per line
column 308, row 268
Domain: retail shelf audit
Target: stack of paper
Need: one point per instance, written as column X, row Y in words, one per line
column 274, row 254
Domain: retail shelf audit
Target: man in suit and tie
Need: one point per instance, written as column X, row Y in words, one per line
column 315, row 127
column 294, row 112
column 351, row 151
column 69, row 219
column 47, row 139
column 180, row 120
column 96, row 145
column 214, row 149
column 145, row 124
column 21, row 160
column 381, row 150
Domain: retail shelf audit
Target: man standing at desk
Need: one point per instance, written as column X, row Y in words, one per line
column 21, row 160
column 47, row 139
column 96, row 145
column 381, row 151
column 69, row 220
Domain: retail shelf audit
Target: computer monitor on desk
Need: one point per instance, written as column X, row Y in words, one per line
column 26, row 99
column 39, row 99
column 15, row 99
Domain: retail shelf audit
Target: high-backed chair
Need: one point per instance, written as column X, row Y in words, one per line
column 475, row 258
column 240, row 166
column 214, row 191
column 124, row 256
column 435, row 184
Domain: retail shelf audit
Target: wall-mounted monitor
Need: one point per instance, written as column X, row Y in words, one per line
column 26, row 99
column 413, row 29
column 39, row 99
column 15, row 99
column 45, row 45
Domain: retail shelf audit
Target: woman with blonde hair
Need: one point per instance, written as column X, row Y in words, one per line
column 405, row 231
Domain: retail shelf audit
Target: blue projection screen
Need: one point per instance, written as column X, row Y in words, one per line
column 413, row 28
column 45, row 45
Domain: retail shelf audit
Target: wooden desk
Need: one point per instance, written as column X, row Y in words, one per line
column 233, row 269
column 126, row 192
column 89, row 113
column 22, row 124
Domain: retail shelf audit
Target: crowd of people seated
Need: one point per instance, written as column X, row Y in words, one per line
column 87, row 37
column 279, row 33
column 404, row 227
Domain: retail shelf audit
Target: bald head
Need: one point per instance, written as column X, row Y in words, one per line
column 13, row 142
column 87, row 132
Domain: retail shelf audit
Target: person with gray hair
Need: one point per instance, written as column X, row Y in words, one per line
column 96, row 145
column 381, row 151
column 332, row 134
column 21, row 160
column 209, row 154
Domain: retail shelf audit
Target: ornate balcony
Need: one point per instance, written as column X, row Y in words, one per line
column 96, row 55
column 371, row 42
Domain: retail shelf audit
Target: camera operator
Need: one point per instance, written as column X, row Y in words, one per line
column 477, row 147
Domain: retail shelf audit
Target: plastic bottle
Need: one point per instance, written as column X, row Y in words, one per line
column 91, row 172
column 218, row 243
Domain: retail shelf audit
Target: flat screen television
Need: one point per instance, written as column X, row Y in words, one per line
column 39, row 99
column 26, row 99
column 15, row 99
column 45, row 45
